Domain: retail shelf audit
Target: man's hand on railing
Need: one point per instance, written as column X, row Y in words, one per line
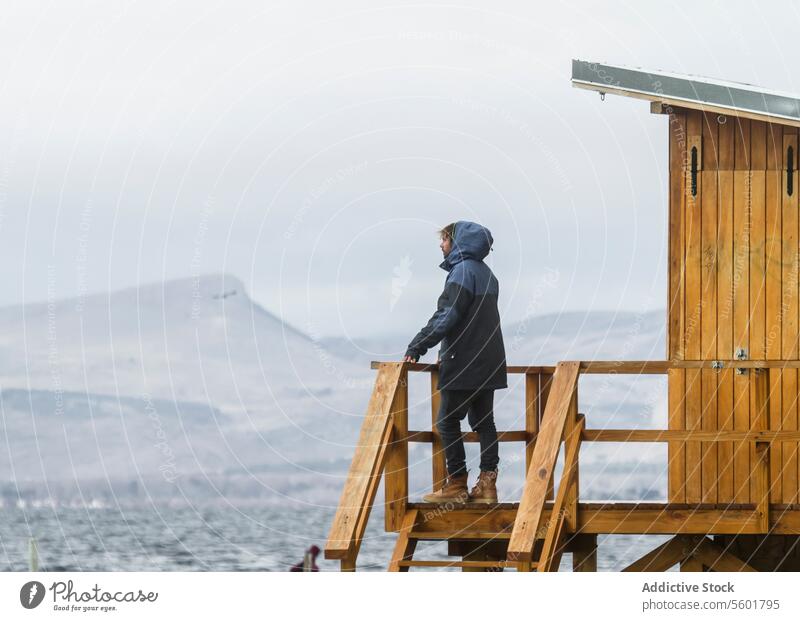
column 410, row 359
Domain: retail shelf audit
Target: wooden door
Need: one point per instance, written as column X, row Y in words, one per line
column 733, row 285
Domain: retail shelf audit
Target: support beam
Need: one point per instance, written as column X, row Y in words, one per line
column 661, row 558
column 717, row 558
column 584, row 552
column 692, row 564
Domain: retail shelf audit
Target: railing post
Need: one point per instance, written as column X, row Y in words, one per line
column 396, row 469
column 531, row 415
column 544, row 394
column 571, row 518
column 437, row 448
column 760, row 450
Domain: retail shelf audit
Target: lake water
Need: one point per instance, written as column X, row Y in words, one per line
column 263, row 538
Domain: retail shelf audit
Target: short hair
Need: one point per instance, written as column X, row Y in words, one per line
column 448, row 231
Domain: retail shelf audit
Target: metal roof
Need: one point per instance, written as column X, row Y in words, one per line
column 689, row 91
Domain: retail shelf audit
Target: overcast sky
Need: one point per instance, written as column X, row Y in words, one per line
column 312, row 149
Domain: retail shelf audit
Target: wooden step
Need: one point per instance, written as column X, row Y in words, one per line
column 492, row 537
column 476, row 564
column 466, row 506
column 448, row 535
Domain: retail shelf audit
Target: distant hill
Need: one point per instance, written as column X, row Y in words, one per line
column 187, row 376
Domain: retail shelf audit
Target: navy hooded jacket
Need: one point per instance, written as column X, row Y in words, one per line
column 466, row 321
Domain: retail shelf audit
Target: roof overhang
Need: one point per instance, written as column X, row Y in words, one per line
column 688, row 91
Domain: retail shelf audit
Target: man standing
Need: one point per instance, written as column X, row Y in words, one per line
column 472, row 359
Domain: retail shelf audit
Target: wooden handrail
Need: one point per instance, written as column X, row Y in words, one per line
column 628, row 367
column 656, row 367
column 424, row 367
column 687, row 435
column 559, row 404
column 358, row 495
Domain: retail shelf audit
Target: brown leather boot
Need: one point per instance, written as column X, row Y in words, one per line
column 454, row 491
column 485, row 489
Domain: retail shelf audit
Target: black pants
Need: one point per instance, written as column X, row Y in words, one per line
column 453, row 407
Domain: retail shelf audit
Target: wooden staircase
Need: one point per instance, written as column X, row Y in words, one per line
column 483, row 543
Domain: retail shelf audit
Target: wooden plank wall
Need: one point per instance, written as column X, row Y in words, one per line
column 733, row 283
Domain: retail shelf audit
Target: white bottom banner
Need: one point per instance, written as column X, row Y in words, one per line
column 234, row 596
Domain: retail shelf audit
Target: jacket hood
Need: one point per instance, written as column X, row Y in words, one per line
column 470, row 241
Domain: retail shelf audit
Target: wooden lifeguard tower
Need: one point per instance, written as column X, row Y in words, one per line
column 732, row 363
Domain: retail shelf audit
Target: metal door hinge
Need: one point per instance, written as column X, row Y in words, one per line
column 741, row 354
